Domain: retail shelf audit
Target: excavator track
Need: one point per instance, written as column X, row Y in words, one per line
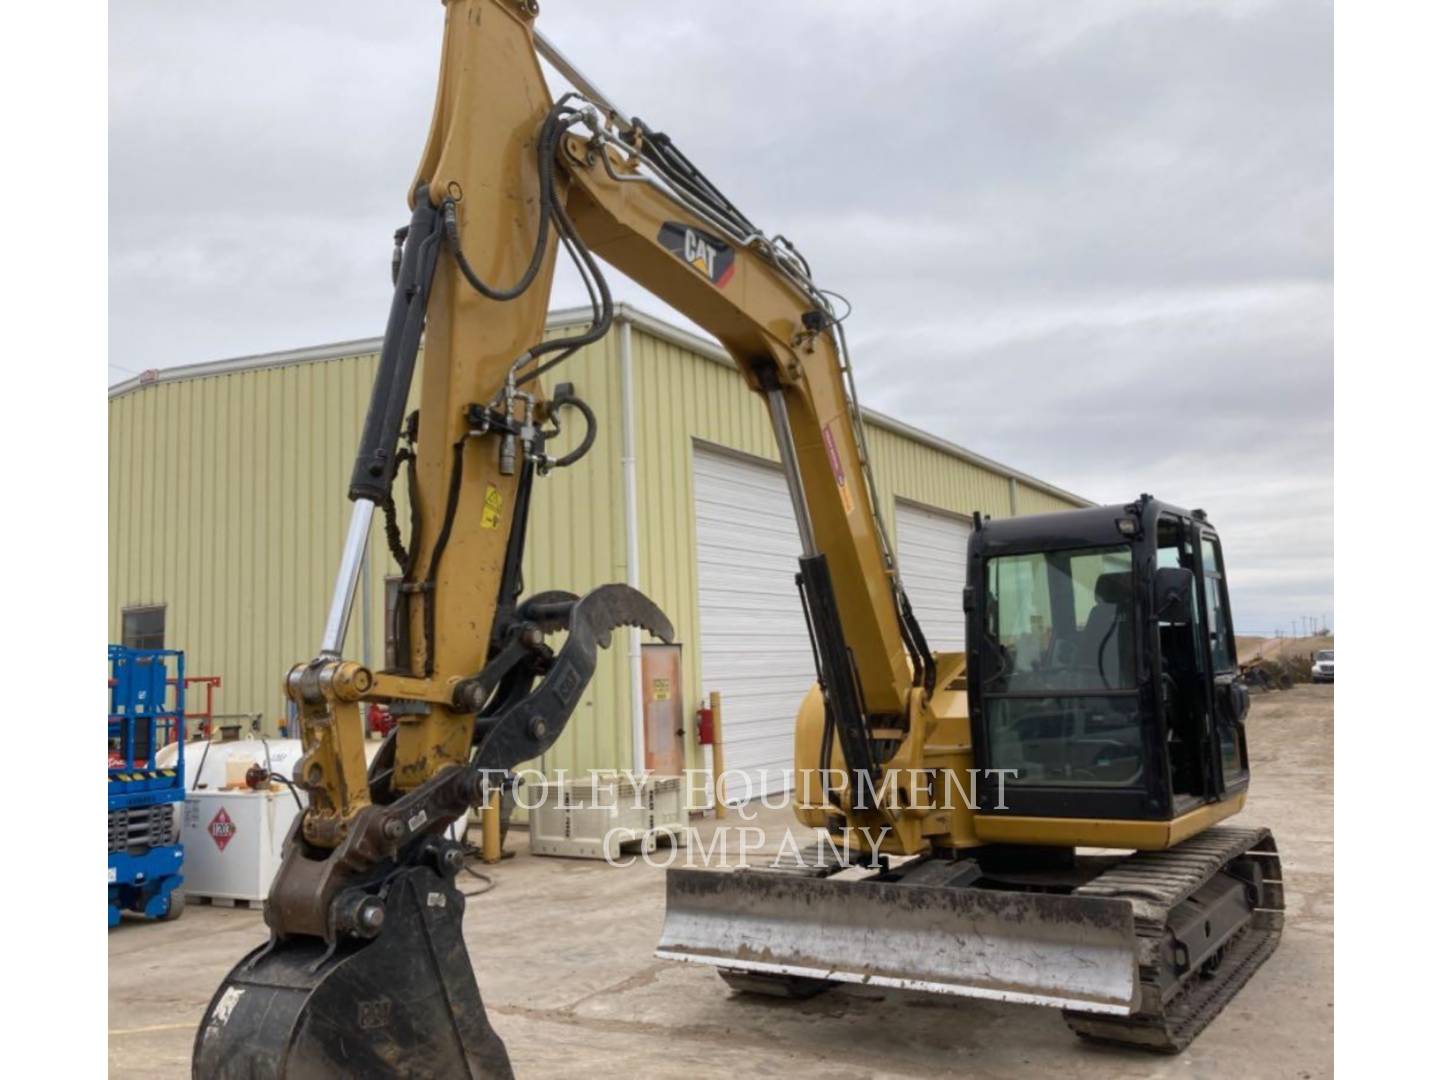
column 1176, row 1005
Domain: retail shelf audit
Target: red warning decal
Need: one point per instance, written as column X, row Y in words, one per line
column 221, row 829
column 836, row 467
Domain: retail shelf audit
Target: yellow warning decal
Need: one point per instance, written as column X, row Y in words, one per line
column 660, row 690
column 494, row 501
column 838, row 469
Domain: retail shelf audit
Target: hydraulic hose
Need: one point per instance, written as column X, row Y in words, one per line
column 570, row 401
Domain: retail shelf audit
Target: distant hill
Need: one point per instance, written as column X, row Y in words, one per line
column 1281, row 648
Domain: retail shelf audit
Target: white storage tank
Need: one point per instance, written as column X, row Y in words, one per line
column 233, row 835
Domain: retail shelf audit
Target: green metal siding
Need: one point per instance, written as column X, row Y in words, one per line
column 227, row 505
column 1031, row 500
column 921, row 474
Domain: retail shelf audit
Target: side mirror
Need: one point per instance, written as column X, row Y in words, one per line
column 1239, row 700
column 1173, row 595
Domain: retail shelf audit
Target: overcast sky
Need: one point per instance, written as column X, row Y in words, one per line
column 1092, row 240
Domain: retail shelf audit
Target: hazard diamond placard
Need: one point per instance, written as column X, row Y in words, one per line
column 221, row 829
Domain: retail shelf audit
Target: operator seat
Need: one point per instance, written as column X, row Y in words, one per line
column 1107, row 633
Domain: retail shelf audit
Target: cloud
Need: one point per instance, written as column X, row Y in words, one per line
column 1104, row 227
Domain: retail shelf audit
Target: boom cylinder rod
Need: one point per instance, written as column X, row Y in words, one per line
column 375, row 459
column 352, row 561
column 785, row 440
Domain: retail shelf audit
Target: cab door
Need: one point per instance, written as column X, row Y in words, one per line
column 1229, row 700
column 1185, row 694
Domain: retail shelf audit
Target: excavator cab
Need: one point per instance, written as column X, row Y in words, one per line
column 1103, row 684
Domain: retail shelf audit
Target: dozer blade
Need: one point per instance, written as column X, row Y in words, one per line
column 1042, row 949
column 403, row 1004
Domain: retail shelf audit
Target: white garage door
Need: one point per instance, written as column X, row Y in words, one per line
column 754, row 648
column 931, row 550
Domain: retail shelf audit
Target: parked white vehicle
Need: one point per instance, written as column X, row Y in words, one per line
column 1323, row 669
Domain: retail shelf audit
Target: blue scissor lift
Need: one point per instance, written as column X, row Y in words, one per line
column 145, row 851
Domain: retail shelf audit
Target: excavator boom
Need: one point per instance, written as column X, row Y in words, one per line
column 366, row 972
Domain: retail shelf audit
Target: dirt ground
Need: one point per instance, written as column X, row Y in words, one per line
column 563, row 954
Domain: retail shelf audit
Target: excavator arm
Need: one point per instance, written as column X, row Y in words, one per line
column 475, row 689
column 508, row 177
column 366, row 972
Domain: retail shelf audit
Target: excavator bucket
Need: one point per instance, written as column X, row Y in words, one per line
column 1077, row 952
column 404, row 1004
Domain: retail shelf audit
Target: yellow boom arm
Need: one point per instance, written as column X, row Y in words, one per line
column 507, row 174
column 736, row 288
column 640, row 205
column 507, row 177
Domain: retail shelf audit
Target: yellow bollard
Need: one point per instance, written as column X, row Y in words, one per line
column 490, row 850
column 719, row 751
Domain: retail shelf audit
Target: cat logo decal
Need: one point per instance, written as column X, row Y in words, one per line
column 707, row 254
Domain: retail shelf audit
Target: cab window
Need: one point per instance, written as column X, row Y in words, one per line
column 1218, row 617
column 1061, row 620
column 1061, row 706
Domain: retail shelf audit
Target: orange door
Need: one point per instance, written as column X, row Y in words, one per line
column 664, row 709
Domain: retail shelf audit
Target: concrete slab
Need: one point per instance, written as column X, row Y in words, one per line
column 563, row 952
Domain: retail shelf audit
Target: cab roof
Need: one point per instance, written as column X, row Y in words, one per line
column 1092, row 527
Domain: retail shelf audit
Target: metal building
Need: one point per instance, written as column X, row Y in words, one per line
column 227, row 511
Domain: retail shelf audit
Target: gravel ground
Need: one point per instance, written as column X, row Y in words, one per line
column 563, row 950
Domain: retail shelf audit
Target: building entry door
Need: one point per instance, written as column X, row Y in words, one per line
column 664, row 709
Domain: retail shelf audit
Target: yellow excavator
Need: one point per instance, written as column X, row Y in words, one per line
column 1033, row 820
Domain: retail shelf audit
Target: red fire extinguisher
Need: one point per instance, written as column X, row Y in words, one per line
column 380, row 720
column 705, row 725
